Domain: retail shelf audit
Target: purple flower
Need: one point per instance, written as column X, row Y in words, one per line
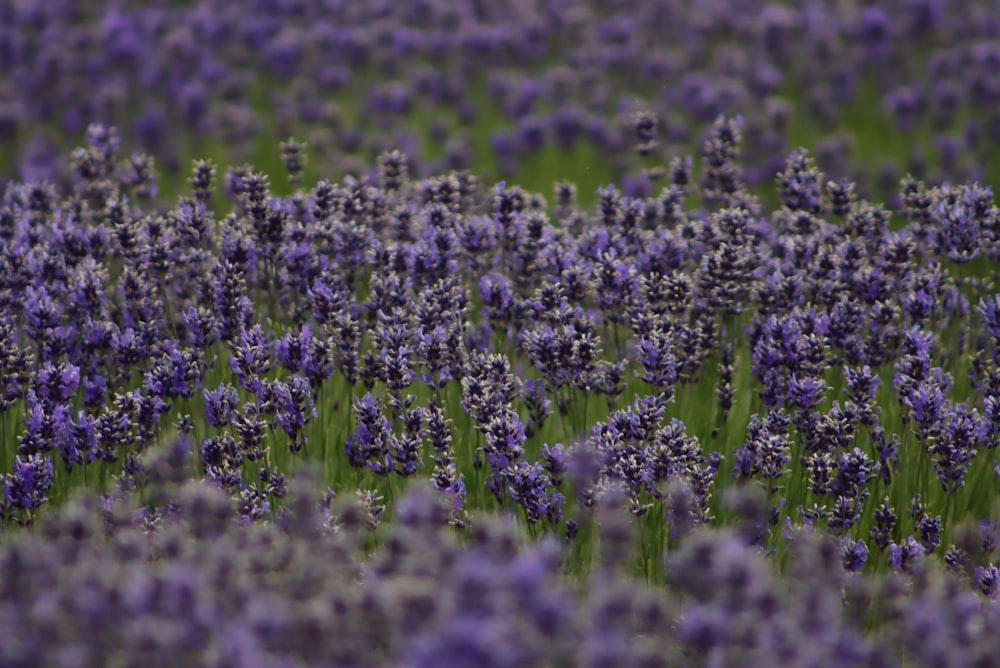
column 905, row 556
column 469, row 641
column 585, row 463
column 41, row 313
column 222, row 452
column 989, row 311
column 930, row 533
column 306, row 354
column 404, row 449
column 221, row 404
column 704, row 627
column 766, row 451
column 721, row 151
column 854, row 555
column 781, row 347
column 862, row 386
column 616, row 282
column 644, row 127
column 37, row 437
column 446, row 479
column 57, row 384
column 505, row 439
column 554, row 462
column 149, row 409
column 538, row 404
column 26, row 487
column 498, row 299
column 800, row 184
column 926, row 404
column 393, row 338
column 806, row 394
column 528, row 486
column 251, row 358
column 988, row 580
column 854, row 471
column 436, row 348
column 659, row 365
column 128, row 347
column 200, row 327
column 202, row 181
column 846, row 512
column 95, row 391
column 294, row 408
column 104, row 139
column 958, row 215
column 368, row 446
column 955, row 446
column 234, row 310
column 326, row 299
column 989, row 533
column 174, row 372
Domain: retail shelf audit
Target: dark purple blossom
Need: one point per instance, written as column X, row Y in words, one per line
column 529, row 487
column 221, row 404
column 855, row 555
column 251, row 358
column 57, row 384
column 174, row 372
column 293, row 409
column 26, row 487
column 905, row 556
column 368, row 446
column 554, row 462
column 766, row 452
column 658, row 362
column 988, row 580
column 806, row 394
column 929, row 529
column 958, row 215
column 855, row 470
column 955, row 447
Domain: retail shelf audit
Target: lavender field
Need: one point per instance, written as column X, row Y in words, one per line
column 519, row 334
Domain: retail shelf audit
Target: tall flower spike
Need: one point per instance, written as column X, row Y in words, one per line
column 720, row 153
column 800, row 184
column 393, row 170
column 251, row 358
column 293, row 154
column 854, row 555
column 644, row 125
column 368, row 446
column 658, row 362
column 25, row 489
column 203, row 179
column 294, row 408
column 905, row 556
column 528, row 486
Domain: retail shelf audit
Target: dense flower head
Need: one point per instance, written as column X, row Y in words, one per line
column 26, row 488
column 294, row 408
column 905, row 556
column 368, row 445
column 855, row 555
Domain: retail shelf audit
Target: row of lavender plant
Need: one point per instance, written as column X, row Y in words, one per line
column 109, row 583
column 519, row 357
column 879, row 88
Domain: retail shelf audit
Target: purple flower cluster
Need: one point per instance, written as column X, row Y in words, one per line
column 558, row 365
column 111, row 582
column 560, row 78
